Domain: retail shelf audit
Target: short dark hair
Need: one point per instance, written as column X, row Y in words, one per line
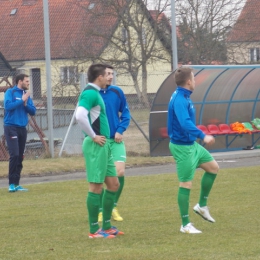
column 182, row 75
column 20, row 77
column 109, row 66
column 95, row 70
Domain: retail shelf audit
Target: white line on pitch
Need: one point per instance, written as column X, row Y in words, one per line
column 226, row 161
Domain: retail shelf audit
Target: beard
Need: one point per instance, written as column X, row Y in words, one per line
column 24, row 87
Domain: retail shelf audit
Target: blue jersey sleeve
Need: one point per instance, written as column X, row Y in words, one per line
column 125, row 116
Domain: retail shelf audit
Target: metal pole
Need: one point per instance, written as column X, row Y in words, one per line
column 67, row 133
column 145, row 136
column 82, row 81
column 114, row 78
column 174, row 37
column 48, row 74
column 82, row 86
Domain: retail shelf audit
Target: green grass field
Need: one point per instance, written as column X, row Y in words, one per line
column 50, row 221
column 74, row 164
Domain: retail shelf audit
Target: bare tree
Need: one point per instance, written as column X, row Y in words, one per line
column 133, row 41
column 203, row 26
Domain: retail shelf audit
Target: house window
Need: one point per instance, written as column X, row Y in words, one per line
column 124, row 35
column 143, row 35
column 14, row 11
column 69, row 75
column 91, row 6
column 254, row 54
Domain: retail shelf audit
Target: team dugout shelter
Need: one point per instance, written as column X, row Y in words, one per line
column 223, row 95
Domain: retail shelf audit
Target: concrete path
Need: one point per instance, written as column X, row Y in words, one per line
column 226, row 160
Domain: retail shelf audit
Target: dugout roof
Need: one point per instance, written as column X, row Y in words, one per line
column 223, row 94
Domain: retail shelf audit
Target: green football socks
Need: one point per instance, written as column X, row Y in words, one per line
column 101, row 199
column 206, row 185
column 183, row 202
column 92, row 202
column 121, row 180
column 108, row 205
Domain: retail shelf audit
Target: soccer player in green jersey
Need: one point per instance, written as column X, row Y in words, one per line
column 100, row 168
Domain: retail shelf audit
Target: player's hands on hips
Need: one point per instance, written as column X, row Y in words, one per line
column 209, row 139
column 99, row 139
column 118, row 138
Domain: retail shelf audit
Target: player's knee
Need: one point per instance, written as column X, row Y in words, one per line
column 114, row 186
column 186, row 185
column 120, row 172
column 117, row 185
column 215, row 167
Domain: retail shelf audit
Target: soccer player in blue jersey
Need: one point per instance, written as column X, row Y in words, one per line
column 119, row 118
column 187, row 153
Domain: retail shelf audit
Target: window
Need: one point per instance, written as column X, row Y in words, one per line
column 91, row 6
column 124, row 35
column 29, row 2
column 254, row 55
column 69, row 75
column 143, row 35
column 14, row 11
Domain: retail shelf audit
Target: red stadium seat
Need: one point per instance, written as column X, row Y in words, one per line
column 163, row 132
column 204, row 129
column 255, row 130
column 225, row 129
column 214, row 130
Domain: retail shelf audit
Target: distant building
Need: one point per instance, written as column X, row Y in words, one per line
column 75, row 37
column 244, row 38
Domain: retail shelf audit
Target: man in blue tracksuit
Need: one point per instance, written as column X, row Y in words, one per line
column 119, row 118
column 18, row 105
column 187, row 153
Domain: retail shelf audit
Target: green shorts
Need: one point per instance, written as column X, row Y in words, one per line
column 118, row 151
column 99, row 161
column 188, row 158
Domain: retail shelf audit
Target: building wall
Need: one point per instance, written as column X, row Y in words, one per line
column 239, row 53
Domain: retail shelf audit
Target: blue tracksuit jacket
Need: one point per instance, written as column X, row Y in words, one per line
column 117, row 110
column 182, row 128
column 16, row 114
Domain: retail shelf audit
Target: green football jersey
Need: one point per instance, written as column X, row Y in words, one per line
column 91, row 100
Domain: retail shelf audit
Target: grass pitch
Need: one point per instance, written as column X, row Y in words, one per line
column 50, row 221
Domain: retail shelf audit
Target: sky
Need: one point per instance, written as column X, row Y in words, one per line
column 151, row 4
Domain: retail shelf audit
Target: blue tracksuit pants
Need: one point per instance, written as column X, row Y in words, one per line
column 16, row 139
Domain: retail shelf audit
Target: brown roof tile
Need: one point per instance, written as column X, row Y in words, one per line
column 22, row 34
column 247, row 27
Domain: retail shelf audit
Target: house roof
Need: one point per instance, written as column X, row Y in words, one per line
column 4, row 64
column 22, row 33
column 160, row 17
column 164, row 28
column 247, row 26
column 5, row 69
